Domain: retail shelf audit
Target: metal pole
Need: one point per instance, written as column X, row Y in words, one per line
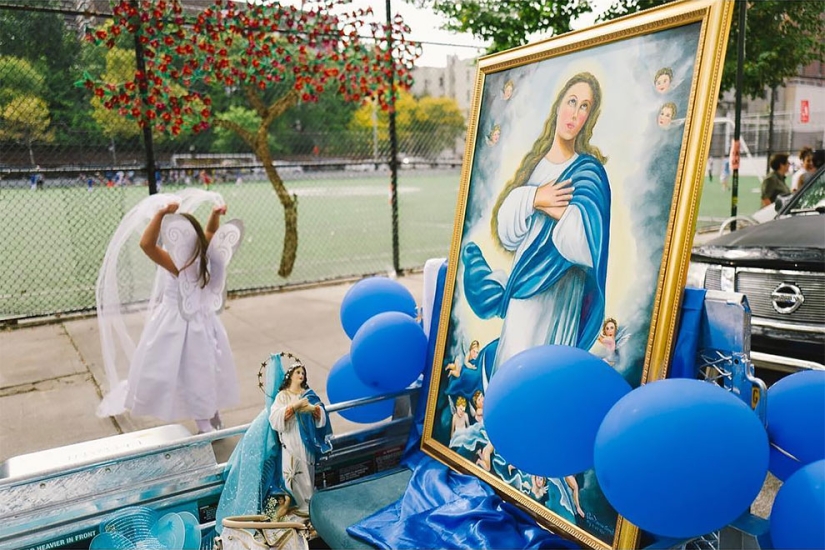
column 740, row 63
column 147, row 129
column 770, row 130
column 396, row 264
column 375, row 132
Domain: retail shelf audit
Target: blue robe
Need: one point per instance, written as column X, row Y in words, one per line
column 540, row 265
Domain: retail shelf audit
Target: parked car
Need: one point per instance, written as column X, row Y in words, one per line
column 780, row 266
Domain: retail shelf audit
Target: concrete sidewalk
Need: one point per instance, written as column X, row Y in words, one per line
column 51, row 375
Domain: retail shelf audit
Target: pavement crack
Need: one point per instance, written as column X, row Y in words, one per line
column 91, row 376
column 46, row 384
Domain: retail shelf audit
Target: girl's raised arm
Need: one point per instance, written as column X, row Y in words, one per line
column 214, row 221
column 149, row 241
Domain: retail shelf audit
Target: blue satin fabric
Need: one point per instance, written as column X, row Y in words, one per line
column 444, row 509
column 683, row 364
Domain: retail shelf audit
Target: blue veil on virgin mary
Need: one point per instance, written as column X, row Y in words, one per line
column 253, row 472
column 539, row 266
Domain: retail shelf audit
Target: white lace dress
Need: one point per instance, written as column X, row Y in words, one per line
column 182, row 369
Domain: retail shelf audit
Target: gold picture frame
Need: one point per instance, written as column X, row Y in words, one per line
column 615, row 120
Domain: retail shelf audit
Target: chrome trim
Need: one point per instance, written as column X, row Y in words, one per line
column 727, row 280
column 780, row 271
column 782, row 363
column 172, row 445
column 794, row 297
column 115, row 457
column 763, row 322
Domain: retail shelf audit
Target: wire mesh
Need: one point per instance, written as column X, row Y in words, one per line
column 70, row 168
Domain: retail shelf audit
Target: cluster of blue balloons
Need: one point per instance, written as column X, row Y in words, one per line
column 388, row 349
column 679, row 458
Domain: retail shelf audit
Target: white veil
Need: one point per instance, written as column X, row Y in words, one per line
column 116, row 275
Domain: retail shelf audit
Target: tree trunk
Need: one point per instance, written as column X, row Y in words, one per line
column 290, row 204
column 31, row 151
column 259, row 141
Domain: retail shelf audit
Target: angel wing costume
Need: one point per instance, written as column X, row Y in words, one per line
column 182, row 367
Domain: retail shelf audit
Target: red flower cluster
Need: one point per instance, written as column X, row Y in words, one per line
column 235, row 45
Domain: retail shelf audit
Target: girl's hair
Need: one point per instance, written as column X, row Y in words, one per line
column 460, row 402
column 669, row 105
column 474, row 344
column 664, row 70
column 199, row 254
column 476, row 395
column 609, row 320
column 288, row 377
column 545, row 141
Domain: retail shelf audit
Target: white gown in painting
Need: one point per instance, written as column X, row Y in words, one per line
column 550, row 317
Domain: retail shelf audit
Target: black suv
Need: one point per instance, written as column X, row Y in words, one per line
column 780, row 266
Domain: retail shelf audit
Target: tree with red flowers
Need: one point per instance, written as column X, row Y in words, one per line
column 274, row 55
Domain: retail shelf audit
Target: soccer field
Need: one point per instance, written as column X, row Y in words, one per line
column 716, row 201
column 52, row 242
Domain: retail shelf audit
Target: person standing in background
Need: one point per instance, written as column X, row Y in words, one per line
column 774, row 185
column 806, row 157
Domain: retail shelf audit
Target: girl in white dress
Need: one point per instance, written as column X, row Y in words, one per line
column 182, row 367
column 296, row 407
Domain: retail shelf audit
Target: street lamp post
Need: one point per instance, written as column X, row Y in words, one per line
column 735, row 152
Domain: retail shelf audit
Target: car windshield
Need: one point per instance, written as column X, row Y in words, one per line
column 811, row 197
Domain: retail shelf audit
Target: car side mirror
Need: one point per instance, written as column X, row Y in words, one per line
column 781, row 201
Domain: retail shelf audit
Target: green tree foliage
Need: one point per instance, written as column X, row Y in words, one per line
column 24, row 115
column 780, row 37
column 227, row 141
column 438, row 123
column 301, row 131
column 425, row 126
column 17, row 76
column 120, row 67
column 26, row 119
column 507, row 23
column 42, row 39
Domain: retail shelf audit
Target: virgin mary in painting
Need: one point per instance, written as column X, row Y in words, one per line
column 554, row 217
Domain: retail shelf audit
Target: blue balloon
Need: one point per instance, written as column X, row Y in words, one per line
column 796, row 421
column 652, row 454
column 544, row 405
column 798, row 514
column 369, row 297
column 344, row 385
column 389, row 351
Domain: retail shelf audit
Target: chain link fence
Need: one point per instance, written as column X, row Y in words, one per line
column 70, row 169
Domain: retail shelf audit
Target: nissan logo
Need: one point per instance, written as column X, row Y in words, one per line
column 786, row 298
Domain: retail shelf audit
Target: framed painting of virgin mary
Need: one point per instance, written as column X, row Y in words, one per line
column 575, row 217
